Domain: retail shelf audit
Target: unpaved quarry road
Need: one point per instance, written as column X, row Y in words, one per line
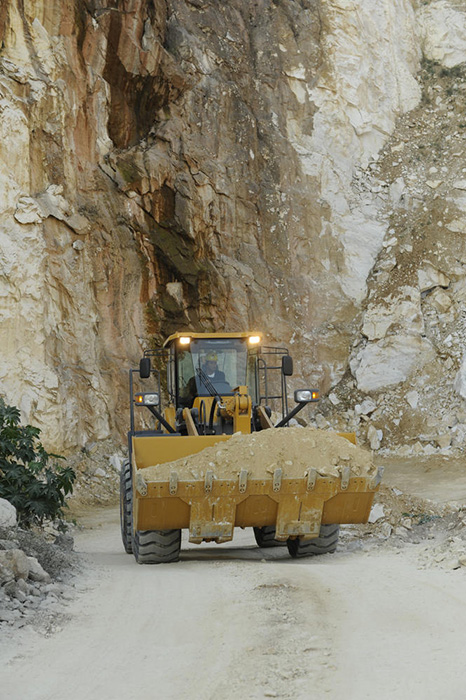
column 236, row 622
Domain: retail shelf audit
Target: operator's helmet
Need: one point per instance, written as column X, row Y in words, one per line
column 211, row 356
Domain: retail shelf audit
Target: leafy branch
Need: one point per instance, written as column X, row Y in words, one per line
column 36, row 487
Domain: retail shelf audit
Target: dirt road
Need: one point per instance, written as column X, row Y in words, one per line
column 236, row 622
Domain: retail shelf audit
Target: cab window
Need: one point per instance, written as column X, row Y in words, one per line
column 212, row 364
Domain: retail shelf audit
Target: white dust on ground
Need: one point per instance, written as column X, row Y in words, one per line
column 294, row 450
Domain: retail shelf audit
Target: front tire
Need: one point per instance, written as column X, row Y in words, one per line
column 325, row 543
column 156, row 546
column 126, row 506
column 265, row 537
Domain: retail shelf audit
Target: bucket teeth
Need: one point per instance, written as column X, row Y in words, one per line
column 243, row 480
column 209, row 478
column 173, row 483
column 277, row 479
column 311, row 479
column 345, row 477
column 141, row 485
column 377, row 478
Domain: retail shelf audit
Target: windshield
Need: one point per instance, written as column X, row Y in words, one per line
column 213, row 364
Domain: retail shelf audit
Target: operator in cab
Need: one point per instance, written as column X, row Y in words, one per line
column 211, row 372
column 211, row 369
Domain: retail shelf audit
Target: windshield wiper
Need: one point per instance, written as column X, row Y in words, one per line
column 209, row 385
column 213, row 392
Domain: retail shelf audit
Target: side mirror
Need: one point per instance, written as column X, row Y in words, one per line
column 144, row 368
column 287, row 365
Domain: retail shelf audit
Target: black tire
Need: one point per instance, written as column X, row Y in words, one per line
column 325, row 543
column 265, row 537
column 156, row 546
column 126, row 506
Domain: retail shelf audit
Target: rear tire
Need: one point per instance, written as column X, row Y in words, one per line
column 126, row 506
column 325, row 543
column 265, row 537
column 156, row 546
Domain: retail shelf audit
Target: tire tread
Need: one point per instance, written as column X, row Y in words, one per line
column 265, row 537
column 126, row 506
column 157, row 546
column 325, row 543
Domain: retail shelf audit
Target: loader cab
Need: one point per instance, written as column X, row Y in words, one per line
column 202, row 366
column 216, row 384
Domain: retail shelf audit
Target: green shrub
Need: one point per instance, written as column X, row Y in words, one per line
column 27, row 480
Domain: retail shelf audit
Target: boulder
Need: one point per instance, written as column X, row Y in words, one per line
column 389, row 361
column 7, row 514
column 367, row 407
column 6, row 574
column 374, row 437
column 412, row 397
column 457, row 226
column 460, row 379
column 443, row 441
column 9, row 615
column 116, row 461
column 442, row 30
column 402, row 311
column 377, row 512
column 17, row 561
column 440, row 301
column 36, row 572
column 429, row 278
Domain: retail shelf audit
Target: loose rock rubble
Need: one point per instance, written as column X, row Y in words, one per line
column 35, row 575
column 449, row 554
column 398, row 520
column 37, row 566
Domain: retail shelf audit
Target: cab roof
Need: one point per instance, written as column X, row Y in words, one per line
column 210, row 336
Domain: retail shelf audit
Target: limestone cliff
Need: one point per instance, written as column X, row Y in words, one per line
column 166, row 164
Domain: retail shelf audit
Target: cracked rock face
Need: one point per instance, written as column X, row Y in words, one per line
column 195, row 163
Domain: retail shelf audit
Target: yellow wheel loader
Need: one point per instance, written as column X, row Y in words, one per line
column 217, row 387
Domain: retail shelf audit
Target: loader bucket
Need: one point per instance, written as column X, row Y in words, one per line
column 172, row 492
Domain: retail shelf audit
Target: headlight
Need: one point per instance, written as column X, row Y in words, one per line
column 254, row 339
column 146, row 399
column 185, row 340
column 306, row 395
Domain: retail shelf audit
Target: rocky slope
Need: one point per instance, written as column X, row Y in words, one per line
column 408, row 353
column 290, row 165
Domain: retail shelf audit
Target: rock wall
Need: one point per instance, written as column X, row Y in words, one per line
column 220, row 166
column 408, row 351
